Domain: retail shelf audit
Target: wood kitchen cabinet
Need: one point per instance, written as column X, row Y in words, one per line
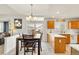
column 74, row 24
column 78, row 38
column 48, row 38
column 60, row 45
column 68, row 38
column 74, row 51
column 50, row 24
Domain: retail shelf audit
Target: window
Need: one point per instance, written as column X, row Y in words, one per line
column 1, row 27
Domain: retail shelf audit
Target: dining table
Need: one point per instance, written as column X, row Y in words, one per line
column 36, row 38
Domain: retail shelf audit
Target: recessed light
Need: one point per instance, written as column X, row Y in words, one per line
column 57, row 12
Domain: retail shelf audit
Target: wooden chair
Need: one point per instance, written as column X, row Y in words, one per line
column 28, row 45
column 40, row 39
column 22, row 44
column 22, row 41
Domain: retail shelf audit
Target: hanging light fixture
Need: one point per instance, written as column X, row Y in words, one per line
column 31, row 17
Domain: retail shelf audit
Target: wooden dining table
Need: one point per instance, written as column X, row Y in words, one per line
column 30, row 38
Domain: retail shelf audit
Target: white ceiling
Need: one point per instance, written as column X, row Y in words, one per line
column 46, row 10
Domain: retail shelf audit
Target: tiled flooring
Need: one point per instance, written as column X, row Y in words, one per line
column 1, row 49
column 46, row 50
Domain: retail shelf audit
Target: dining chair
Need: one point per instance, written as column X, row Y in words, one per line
column 40, row 39
column 29, row 46
column 22, row 41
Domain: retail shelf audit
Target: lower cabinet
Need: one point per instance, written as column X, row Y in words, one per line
column 48, row 38
column 60, row 45
column 78, row 38
column 68, row 38
column 74, row 51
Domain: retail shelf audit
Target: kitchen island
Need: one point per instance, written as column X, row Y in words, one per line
column 74, row 49
column 57, row 43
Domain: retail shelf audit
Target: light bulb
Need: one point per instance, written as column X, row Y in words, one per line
column 30, row 17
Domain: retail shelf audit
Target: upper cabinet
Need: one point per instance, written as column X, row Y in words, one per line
column 50, row 24
column 73, row 24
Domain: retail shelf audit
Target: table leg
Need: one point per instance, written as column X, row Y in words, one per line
column 17, row 47
column 39, row 47
column 71, row 50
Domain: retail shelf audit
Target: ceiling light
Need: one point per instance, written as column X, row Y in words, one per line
column 31, row 17
column 57, row 12
column 35, row 18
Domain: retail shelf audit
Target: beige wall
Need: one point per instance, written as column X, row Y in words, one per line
column 11, row 23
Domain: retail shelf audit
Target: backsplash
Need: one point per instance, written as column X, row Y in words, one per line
column 72, row 31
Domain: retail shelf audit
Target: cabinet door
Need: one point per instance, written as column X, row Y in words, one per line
column 50, row 24
column 78, row 39
column 48, row 38
column 68, row 38
column 60, row 45
column 73, row 24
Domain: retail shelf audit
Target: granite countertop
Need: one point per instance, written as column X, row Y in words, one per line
column 75, row 46
column 56, row 35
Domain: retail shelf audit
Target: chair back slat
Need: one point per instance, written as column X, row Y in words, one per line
column 41, row 36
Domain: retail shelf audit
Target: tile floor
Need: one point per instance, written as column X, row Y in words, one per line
column 46, row 50
column 1, row 49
